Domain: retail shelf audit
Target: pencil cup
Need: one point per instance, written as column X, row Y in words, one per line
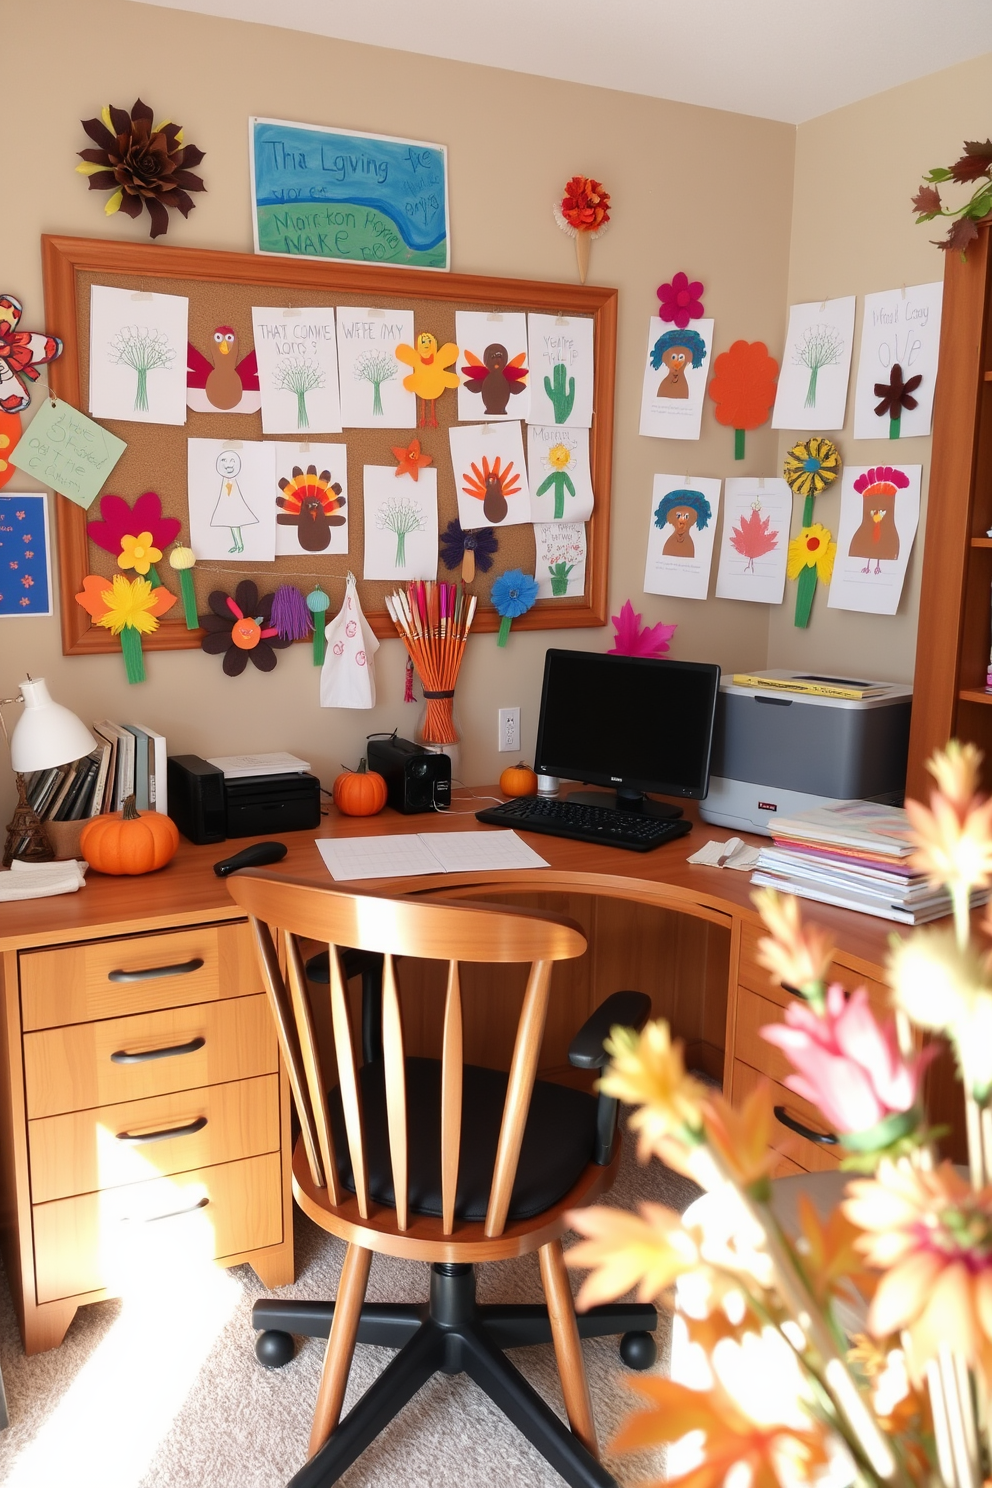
column 547, row 785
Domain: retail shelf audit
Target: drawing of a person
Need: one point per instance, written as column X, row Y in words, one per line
column 232, row 510
column 682, row 510
column 677, row 350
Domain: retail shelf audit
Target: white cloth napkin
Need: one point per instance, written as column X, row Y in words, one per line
column 39, row 880
column 347, row 678
column 730, row 854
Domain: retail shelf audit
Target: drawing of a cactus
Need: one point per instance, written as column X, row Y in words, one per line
column 300, row 377
column 399, row 515
column 559, row 578
column 554, row 386
column 143, row 349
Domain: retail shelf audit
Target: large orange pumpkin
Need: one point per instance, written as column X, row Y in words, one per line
column 518, row 780
column 124, row 842
column 360, row 792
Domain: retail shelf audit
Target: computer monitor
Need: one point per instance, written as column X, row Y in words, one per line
column 635, row 723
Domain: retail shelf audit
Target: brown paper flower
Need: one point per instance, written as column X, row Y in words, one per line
column 143, row 165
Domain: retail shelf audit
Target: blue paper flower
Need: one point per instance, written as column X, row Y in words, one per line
column 512, row 594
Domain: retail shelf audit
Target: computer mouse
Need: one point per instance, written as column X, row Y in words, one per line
column 251, row 857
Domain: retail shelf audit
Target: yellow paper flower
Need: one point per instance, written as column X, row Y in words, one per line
column 798, row 955
column 812, row 548
column 647, row 1070
column 138, row 553
column 811, row 466
column 133, row 603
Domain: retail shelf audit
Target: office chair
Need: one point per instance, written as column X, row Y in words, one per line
column 440, row 1161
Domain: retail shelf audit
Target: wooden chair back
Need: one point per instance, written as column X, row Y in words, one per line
column 281, row 908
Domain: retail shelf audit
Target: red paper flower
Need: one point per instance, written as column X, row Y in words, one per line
column 585, row 204
column 121, row 520
column 680, row 300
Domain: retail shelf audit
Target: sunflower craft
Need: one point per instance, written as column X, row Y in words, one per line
column 128, row 608
column 811, row 557
column 810, row 467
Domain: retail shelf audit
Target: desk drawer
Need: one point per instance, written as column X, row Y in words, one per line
column 753, row 1014
column 136, row 974
column 125, row 1236
column 751, row 975
column 83, row 1151
column 812, row 1157
column 72, row 1069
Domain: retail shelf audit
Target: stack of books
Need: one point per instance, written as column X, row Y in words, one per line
column 128, row 760
column 855, row 855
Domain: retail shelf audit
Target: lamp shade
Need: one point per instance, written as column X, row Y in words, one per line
column 46, row 734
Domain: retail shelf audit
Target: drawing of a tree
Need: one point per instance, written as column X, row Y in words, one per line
column 399, row 515
column 821, row 346
column 143, row 349
column 296, row 375
column 375, row 367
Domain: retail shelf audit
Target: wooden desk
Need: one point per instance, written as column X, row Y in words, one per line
column 684, row 934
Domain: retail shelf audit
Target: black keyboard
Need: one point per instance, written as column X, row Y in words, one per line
column 585, row 823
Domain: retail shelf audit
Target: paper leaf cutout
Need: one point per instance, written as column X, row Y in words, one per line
column 632, row 638
column 752, row 538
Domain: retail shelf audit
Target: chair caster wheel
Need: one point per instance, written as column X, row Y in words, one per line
column 637, row 1350
column 274, row 1349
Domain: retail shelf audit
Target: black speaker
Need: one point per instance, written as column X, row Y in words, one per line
column 197, row 799
column 416, row 778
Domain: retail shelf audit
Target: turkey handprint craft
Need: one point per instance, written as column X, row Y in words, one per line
column 490, row 475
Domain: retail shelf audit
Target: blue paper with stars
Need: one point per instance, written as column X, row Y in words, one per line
column 25, row 577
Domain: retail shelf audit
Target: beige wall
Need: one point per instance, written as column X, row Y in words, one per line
column 694, row 188
column 854, row 232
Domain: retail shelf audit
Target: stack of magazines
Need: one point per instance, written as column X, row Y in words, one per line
column 854, row 854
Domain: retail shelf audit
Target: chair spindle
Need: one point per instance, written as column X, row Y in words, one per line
column 451, row 1097
column 523, row 1068
column 311, row 1063
column 351, row 1103
column 394, row 1072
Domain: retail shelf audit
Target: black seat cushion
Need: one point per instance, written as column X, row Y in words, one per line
column 558, row 1143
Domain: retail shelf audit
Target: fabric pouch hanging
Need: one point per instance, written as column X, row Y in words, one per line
column 347, row 677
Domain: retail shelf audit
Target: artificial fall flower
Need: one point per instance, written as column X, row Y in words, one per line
column 956, row 769
column 741, row 1137
column 830, row 1256
column 121, row 603
column 138, row 553
column 849, row 1066
column 647, row 1070
column 953, row 847
column 943, row 986
column 812, row 547
column 931, row 1237
column 585, row 204
column 648, row 1251
column 797, row 955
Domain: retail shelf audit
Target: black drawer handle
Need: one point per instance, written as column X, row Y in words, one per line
column 183, row 969
column 823, row 1139
column 164, row 1136
column 170, row 1214
column 122, row 1057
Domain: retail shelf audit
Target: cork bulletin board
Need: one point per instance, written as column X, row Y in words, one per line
column 221, row 289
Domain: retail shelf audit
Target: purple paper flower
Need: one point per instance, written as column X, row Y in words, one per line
column 681, row 300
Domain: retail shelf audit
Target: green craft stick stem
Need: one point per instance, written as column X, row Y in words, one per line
column 153, row 577
column 188, row 596
column 319, row 640
column 738, row 444
column 134, row 663
column 504, row 630
column 894, row 427
column 805, row 589
column 808, row 511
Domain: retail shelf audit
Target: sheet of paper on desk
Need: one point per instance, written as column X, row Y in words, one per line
column 406, row 856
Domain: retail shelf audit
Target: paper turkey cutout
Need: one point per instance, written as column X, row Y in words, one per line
column 222, row 384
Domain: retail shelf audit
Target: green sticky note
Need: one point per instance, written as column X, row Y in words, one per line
column 64, row 449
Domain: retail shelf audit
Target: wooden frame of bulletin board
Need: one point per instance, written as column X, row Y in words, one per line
column 221, row 288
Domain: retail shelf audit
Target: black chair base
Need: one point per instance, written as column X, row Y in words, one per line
column 452, row 1334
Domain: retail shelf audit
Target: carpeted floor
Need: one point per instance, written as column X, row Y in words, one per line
column 163, row 1390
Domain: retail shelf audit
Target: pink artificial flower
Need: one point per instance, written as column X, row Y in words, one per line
column 634, row 639
column 848, row 1066
column 680, row 300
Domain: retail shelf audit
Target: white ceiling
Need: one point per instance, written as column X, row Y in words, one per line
column 778, row 59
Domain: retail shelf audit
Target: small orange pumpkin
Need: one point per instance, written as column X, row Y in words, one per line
column 126, row 842
column 359, row 792
column 518, row 780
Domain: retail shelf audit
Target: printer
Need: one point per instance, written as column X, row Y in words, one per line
column 776, row 751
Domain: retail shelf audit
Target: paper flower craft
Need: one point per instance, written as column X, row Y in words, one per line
column 318, row 603
column 582, row 213
column 241, row 628
column 492, row 485
column 743, row 388
column 680, row 300
column 411, row 461
column 143, row 164
column 495, row 377
column 878, row 537
column 182, row 561
column 810, row 467
column 632, row 638
column 312, row 504
column 430, row 375
column 128, row 608
column 512, row 594
column 811, row 556
column 122, row 522
column 138, row 553
column 21, row 354
column 896, row 395
column 672, row 350
column 473, row 550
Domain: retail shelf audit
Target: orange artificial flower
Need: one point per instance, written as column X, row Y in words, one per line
column 741, row 1137
column 797, row 955
column 931, row 1237
column 648, row 1251
column 647, row 1070
column 120, row 603
column 830, row 1256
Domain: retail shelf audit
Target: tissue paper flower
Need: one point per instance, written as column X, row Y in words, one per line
column 512, row 594
column 681, row 300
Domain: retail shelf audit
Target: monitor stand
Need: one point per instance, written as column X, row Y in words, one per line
column 621, row 800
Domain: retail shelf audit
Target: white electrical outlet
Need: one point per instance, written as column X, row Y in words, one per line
column 509, row 730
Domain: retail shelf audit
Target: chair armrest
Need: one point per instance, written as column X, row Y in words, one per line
column 629, row 1009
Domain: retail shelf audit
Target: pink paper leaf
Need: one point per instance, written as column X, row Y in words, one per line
column 634, row 639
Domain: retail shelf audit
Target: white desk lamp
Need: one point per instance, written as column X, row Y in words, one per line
column 45, row 735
